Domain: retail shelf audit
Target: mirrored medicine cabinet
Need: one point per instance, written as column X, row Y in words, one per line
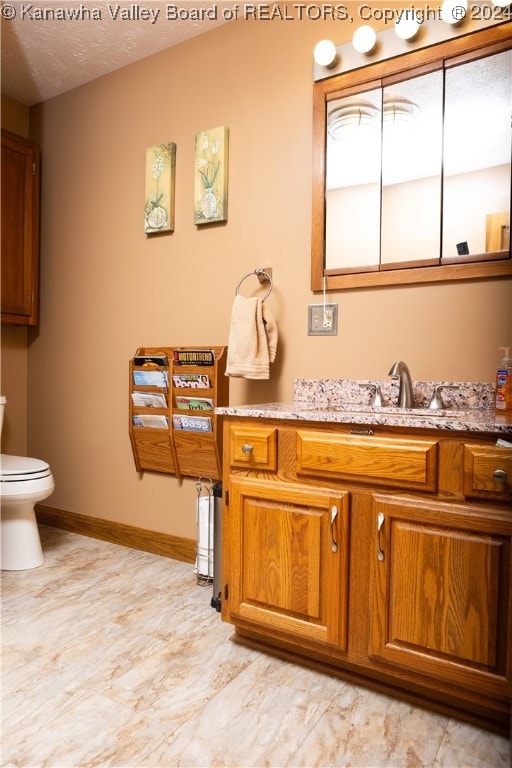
column 412, row 166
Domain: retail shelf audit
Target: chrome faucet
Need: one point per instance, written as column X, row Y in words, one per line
column 401, row 372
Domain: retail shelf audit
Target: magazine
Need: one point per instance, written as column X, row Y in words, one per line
column 158, row 422
column 195, row 403
column 149, row 399
column 150, row 360
column 150, row 378
column 193, row 380
column 194, row 357
column 192, row 423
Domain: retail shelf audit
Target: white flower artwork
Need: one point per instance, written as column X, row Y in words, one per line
column 160, row 180
column 211, row 176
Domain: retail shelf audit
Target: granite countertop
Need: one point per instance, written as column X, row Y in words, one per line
column 469, row 408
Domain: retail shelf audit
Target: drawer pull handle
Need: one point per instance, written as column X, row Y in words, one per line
column 380, row 523
column 247, row 448
column 500, row 476
column 334, row 515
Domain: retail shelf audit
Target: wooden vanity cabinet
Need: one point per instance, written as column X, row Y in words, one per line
column 374, row 557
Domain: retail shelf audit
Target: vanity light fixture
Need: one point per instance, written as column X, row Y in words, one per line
column 407, row 28
column 415, row 29
column 454, row 12
column 364, row 39
column 325, row 53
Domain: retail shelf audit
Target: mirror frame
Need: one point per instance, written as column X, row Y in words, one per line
column 465, row 48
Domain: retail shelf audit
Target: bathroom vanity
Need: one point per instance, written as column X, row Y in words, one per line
column 374, row 544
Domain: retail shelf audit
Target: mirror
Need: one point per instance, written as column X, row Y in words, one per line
column 477, row 140
column 352, row 182
column 413, row 169
column 412, row 146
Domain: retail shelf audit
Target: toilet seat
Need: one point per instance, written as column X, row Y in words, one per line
column 22, row 468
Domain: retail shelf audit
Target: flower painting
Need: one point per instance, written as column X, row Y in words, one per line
column 211, row 176
column 160, row 176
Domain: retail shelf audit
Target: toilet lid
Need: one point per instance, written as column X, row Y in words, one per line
column 22, row 468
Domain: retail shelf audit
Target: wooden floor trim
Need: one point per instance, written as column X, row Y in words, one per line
column 119, row 533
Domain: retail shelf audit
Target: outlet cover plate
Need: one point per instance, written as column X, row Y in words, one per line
column 322, row 320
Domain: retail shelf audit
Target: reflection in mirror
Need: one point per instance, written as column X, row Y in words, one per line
column 477, row 145
column 352, row 185
column 436, row 204
column 411, row 171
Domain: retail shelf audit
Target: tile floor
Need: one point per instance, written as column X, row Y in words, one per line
column 114, row 657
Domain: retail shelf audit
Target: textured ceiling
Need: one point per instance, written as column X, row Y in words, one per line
column 53, row 46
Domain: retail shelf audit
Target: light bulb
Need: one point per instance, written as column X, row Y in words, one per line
column 325, row 53
column 407, row 28
column 454, row 11
column 364, row 39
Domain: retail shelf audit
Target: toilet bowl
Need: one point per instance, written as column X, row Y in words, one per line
column 23, row 482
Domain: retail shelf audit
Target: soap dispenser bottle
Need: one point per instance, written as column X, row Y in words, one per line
column 504, row 383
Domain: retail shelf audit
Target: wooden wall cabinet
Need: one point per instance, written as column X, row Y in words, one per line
column 373, row 557
column 20, row 230
column 171, row 450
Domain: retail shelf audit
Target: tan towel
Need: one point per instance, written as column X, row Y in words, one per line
column 252, row 339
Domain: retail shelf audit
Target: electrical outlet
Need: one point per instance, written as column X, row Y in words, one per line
column 323, row 320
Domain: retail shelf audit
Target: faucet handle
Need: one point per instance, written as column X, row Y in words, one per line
column 436, row 401
column 376, row 394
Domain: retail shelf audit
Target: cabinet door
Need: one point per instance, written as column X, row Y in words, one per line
column 20, row 230
column 286, row 549
column 441, row 592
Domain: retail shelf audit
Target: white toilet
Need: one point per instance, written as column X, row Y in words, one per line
column 24, row 482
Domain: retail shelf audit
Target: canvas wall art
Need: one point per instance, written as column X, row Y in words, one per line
column 159, row 188
column 211, row 176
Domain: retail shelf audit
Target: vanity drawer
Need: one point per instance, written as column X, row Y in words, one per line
column 400, row 462
column 487, row 472
column 253, row 447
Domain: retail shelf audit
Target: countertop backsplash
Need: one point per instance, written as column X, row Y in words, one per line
column 344, row 392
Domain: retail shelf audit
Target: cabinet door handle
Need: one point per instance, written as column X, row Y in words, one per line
column 334, row 515
column 247, row 448
column 500, row 476
column 380, row 523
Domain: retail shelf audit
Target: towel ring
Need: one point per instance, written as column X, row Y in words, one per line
column 259, row 274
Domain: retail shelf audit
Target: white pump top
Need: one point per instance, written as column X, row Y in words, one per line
column 507, row 360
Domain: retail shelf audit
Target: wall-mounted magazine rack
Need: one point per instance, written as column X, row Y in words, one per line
column 173, row 393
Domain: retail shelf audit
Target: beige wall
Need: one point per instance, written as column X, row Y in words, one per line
column 107, row 288
column 15, row 117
